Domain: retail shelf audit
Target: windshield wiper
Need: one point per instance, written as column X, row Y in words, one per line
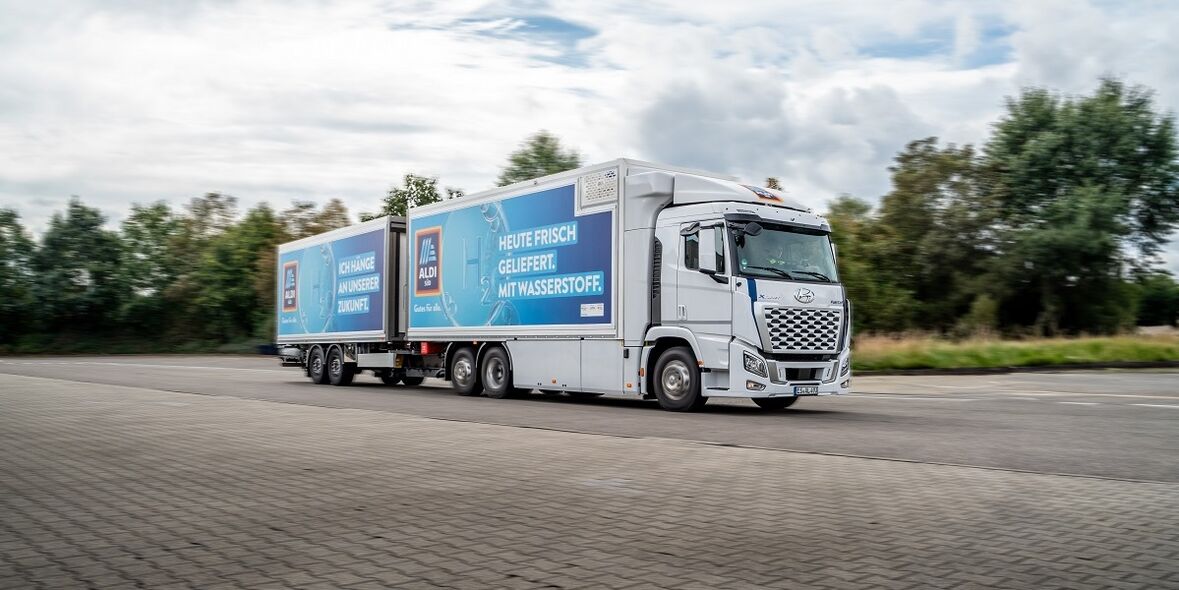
column 818, row 275
column 777, row 271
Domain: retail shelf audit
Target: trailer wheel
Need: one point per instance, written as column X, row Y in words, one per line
column 316, row 366
column 677, row 381
column 774, row 403
column 412, row 381
column 339, row 372
column 389, row 377
column 497, row 374
column 464, row 376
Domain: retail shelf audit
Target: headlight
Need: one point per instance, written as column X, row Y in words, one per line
column 755, row 365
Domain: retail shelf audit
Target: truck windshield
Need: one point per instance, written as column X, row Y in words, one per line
column 783, row 252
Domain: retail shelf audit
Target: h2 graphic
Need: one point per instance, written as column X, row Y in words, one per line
column 427, row 271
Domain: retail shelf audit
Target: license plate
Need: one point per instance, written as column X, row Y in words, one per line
column 806, row 390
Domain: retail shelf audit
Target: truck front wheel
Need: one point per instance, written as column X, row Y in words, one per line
column 464, row 377
column 677, row 381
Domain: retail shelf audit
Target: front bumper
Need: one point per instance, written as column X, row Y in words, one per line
column 777, row 383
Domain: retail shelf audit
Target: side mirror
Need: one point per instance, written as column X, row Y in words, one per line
column 708, row 251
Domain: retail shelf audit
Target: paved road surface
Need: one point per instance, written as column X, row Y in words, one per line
column 113, row 474
column 1118, row 424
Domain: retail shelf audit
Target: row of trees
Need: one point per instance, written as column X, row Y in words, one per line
column 200, row 275
column 1053, row 226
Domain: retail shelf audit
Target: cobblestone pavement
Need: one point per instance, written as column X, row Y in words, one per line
column 107, row 486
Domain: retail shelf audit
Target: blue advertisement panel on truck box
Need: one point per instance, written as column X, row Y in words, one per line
column 334, row 285
column 524, row 261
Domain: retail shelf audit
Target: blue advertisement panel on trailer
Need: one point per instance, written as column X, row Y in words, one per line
column 523, row 261
column 333, row 287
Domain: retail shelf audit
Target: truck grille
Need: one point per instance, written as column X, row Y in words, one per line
column 802, row 329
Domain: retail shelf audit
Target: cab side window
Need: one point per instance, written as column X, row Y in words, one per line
column 692, row 251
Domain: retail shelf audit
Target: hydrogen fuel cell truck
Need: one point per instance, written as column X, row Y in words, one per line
column 622, row 278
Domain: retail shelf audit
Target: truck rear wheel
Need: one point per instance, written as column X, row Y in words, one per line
column 412, row 381
column 339, row 372
column 497, row 373
column 317, row 365
column 677, row 381
column 464, row 376
column 389, row 376
column 774, row 403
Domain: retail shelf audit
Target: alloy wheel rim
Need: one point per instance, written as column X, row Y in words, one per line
column 676, row 380
column 495, row 373
column 462, row 371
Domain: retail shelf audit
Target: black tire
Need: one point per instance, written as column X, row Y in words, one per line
column 339, row 372
column 677, row 381
column 496, row 372
column 412, row 381
column 389, row 377
column 774, row 403
column 464, row 373
column 317, row 366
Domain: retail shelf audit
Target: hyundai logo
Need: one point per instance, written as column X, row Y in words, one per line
column 804, row 295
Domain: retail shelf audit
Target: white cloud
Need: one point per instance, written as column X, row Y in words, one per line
column 134, row 101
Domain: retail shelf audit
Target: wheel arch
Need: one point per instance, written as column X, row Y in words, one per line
column 486, row 346
column 653, row 353
column 448, row 356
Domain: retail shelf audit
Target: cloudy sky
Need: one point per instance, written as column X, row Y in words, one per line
column 122, row 101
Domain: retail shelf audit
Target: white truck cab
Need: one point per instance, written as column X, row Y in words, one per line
column 748, row 278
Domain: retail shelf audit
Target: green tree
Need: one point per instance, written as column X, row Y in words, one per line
column 148, row 266
column 1158, row 303
column 146, row 235
column 16, row 277
column 236, row 291
column 932, row 236
column 211, row 214
column 417, row 191
column 79, row 283
column 1084, row 189
column 880, row 304
column 303, row 219
column 204, row 220
column 540, row 155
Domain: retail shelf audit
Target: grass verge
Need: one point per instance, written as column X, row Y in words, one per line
column 877, row 353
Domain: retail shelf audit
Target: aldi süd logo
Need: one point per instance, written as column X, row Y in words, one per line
column 427, row 270
column 290, row 286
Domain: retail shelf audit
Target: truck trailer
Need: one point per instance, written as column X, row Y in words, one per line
column 625, row 278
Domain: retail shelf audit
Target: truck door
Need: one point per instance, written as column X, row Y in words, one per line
column 703, row 290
